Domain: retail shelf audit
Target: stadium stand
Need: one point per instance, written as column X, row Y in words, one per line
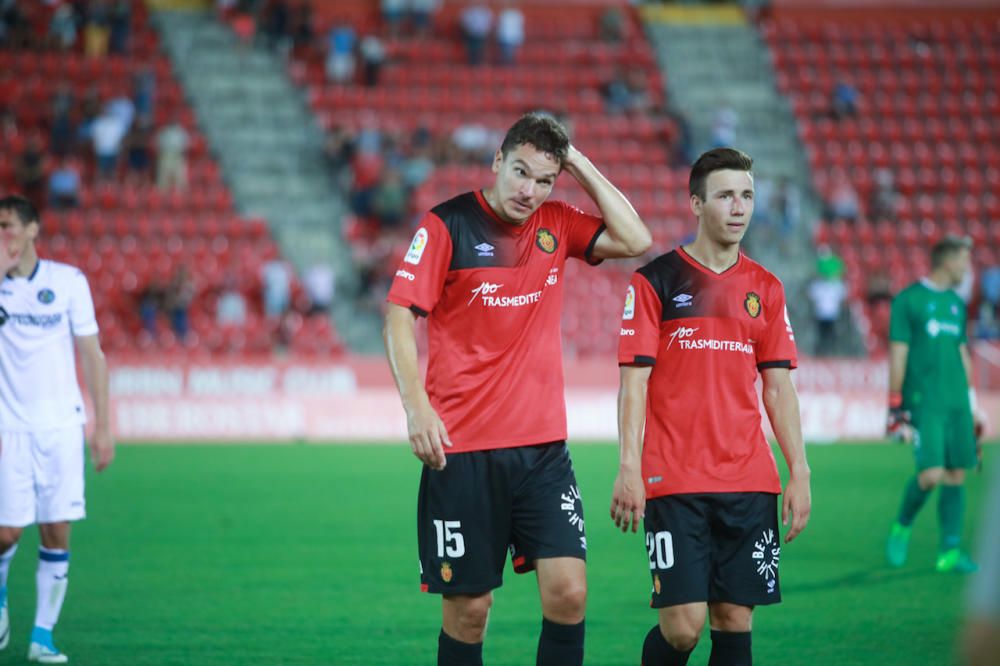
column 125, row 233
column 926, row 113
column 562, row 68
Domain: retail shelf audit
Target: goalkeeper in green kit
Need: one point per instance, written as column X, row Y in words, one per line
column 931, row 402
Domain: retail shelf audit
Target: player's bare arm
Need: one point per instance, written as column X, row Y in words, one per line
column 626, row 234
column 427, row 433
column 628, row 500
column 898, row 421
column 95, row 373
column 782, row 404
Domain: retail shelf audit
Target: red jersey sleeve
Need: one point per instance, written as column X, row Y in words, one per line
column 420, row 277
column 582, row 231
column 777, row 349
column 640, row 330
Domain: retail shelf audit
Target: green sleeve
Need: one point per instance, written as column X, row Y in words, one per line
column 899, row 320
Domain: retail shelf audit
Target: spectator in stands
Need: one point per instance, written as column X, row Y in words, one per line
column 373, row 57
column 340, row 62
column 418, row 166
column 107, row 136
column 320, row 286
column 144, row 92
column 29, row 170
column 276, row 280
column 62, row 27
column 627, row 93
column 120, row 26
column 422, row 16
column 303, row 30
column 474, row 142
column 64, row 185
column 390, row 200
column 97, row 29
column 786, row 206
column 15, row 29
column 682, row 144
column 885, row 198
column 277, row 21
column 231, row 307
column 393, row 13
column 477, row 23
column 177, row 300
column 724, row 124
column 172, row 142
column 8, row 125
column 339, row 153
column 510, row 33
column 879, row 288
column 90, row 109
column 988, row 325
column 61, row 132
column 844, row 203
column 151, row 300
column 613, row 26
column 827, row 293
column 845, row 100
column 139, row 143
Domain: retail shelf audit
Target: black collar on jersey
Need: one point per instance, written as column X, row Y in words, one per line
column 687, row 255
column 34, row 271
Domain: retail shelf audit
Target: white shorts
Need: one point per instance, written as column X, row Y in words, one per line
column 41, row 477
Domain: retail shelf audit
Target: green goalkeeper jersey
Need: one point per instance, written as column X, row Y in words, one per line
column 932, row 322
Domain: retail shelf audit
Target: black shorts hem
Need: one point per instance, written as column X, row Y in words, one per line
column 431, row 588
column 770, row 601
column 527, row 566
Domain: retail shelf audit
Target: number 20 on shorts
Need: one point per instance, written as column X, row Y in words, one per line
column 450, row 541
column 661, row 549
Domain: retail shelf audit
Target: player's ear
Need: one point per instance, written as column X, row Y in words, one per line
column 497, row 161
column 33, row 228
column 696, row 204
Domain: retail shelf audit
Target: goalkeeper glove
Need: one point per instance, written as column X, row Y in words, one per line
column 898, row 422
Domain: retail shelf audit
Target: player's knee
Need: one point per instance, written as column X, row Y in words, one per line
column 931, row 478
column 469, row 619
column 953, row 477
column 8, row 537
column 731, row 618
column 681, row 637
column 566, row 604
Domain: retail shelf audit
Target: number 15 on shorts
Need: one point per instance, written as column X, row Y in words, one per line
column 661, row 549
column 450, row 541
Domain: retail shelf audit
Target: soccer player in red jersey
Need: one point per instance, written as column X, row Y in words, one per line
column 699, row 324
column 487, row 270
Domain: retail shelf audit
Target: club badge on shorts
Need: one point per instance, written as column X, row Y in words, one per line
column 752, row 304
column 446, row 572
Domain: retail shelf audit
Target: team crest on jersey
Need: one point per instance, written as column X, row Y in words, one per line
column 446, row 572
column 657, row 586
column 417, row 247
column 546, row 241
column 752, row 304
column 46, row 296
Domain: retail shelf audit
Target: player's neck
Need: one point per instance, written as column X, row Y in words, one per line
column 940, row 281
column 713, row 256
column 490, row 196
column 26, row 266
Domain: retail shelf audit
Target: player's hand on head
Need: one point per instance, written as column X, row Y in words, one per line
column 628, row 500
column 796, row 503
column 428, row 436
column 102, row 449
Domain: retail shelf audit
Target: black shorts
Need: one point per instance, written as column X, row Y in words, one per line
column 713, row 547
column 483, row 503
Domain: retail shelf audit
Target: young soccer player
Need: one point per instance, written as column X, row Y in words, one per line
column 44, row 307
column 487, row 270
column 931, row 402
column 700, row 323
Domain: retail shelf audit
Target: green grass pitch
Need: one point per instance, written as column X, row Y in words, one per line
column 307, row 555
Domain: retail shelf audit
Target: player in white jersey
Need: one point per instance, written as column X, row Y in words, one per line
column 44, row 307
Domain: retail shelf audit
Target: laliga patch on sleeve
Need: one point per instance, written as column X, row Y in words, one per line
column 629, row 303
column 417, row 247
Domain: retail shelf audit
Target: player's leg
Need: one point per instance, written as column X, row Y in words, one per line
column 463, row 528
column 562, row 584
column 678, row 544
column 675, row 635
column 547, row 534
column 745, row 556
column 731, row 638
column 59, row 463
column 960, row 454
column 17, row 510
column 928, row 451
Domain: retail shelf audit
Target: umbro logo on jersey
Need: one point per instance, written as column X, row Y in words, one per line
column 683, row 300
column 485, row 250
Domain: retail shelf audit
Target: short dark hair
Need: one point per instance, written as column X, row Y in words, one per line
column 948, row 247
column 716, row 159
column 25, row 212
column 541, row 131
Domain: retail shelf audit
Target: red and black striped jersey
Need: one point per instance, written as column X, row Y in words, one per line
column 707, row 335
column 492, row 293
